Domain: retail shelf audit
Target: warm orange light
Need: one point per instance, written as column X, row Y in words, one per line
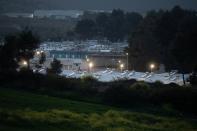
column 24, row 63
column 121, row 66
column 37, row 52
column 91, row 64
column 152, row 66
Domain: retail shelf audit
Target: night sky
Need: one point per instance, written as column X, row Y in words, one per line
column 128, row 5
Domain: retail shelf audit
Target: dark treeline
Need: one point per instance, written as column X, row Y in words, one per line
column 125, row 93
column 114, row 26
column 45, row 28
column 165, row 37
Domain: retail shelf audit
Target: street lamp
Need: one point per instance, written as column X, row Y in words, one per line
column 38, row 52
column 90, row 66
column 121, row 66
column 24, row 63
column 127, row 61
column 152, row 66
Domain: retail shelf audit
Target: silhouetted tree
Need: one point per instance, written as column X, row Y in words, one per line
column 193, row 77
column 42, row 58
column 26, row 45
column 56, row 67
column 143, row 44
column 166, row 37
column 16, row 48
column 70, row 35
column 184, row 48
column 8, row 54
column 102, row 21
column 132, row 20
column 115, row 27
column 86, row 29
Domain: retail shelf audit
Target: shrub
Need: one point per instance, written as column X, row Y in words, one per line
column 88, row 79
column 140, row 86
column 118, row 95
column 181, row 98
column 157, row 84
column 193, row 79
column 139, row 92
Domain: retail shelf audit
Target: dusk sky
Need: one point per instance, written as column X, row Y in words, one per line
column 128, row 5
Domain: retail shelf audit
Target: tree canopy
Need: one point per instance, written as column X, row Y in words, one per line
column 114, row 26
column 16, row 48
column 56, row 67
column 165, row 37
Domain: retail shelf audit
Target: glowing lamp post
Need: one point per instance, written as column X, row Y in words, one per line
column 90, row 66
column 24, row 63
column 127, row 54
column 38, row 52
column 152, row 66
column 121, row 67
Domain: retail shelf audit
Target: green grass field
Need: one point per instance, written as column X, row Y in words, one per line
column 22, row 111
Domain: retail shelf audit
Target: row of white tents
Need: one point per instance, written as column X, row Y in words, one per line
column 109, row 75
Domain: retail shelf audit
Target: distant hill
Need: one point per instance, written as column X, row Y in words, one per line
column 128, row 5
column 21, row 5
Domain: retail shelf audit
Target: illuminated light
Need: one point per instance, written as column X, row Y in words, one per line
column 152, row 66
column 91, row 64
column 38, row 52
column 24, row 63
column 127, row 61
column 121, row 65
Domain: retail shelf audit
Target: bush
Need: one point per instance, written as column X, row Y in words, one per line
column 157, row 84
column 127, row 96
column 181, row 98
column 140, row 86
column 140, row 93
column 117, row 95
column 89, row 79
column 193, row 79
column 125, row 93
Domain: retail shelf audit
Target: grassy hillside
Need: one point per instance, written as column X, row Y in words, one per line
column 22, row 111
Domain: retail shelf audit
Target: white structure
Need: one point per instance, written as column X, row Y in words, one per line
column 17, row 15
column 111, row 75
column 57, row 14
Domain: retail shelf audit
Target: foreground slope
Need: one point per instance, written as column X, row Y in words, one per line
column 22, row 111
